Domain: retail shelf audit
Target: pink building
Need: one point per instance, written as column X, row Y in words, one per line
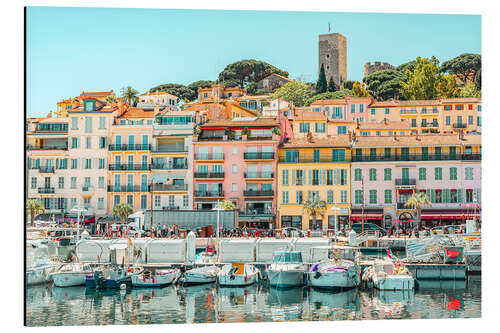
column 387, row 171
column 236, row 160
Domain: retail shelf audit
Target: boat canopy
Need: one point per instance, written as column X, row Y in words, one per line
column 288, row 257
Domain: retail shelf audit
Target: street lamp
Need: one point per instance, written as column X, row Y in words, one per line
column 79, row 210
column 335, row 209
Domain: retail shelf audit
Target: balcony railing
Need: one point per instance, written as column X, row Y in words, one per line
column 258, row 155
column 46, row 190
column 156, row 166
column 208, row 194
column 46, row 169
column 169, row 187
column 129, row 167
column 255, row 138
column 417, row 157
column 406, row 181
column 210, row 138
column 124, row 147
column 41, row 128
column 459, row 125
column 428, row 125
column 209, row 175
column 87, row 189
column 257, row 193
column 209, row 157
column 47, row 147
column 170, row 149
column 408, row 112
column 311, row 159
column 170, row 207
column 127, row 188
column 259, row 175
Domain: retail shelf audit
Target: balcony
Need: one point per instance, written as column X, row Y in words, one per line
column 169, row 187
column 258, row 193
column 47, row 147
column 173, row 149
column 405, row 181
column 170, row 208
column 310, row 159
column 127, row 188
column 156, row 166
column 46, row 190
column 429, row 125
column 129, row 167
column 209, row 175
column 459, row 125
column 129, row 147
column 416, row 157
column 209, row 157
column 413, row 111
column 46, row 169
column 87, row 190
column 258, row 156
column 255, row 138
column 259, row 175
column 51, row 128
column 209, row 194
column 210, row 138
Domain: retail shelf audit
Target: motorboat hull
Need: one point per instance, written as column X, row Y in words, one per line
column 69, row 279
column 237, row 280
column 155, row 280
column 334, row 280
column 196, row 278
column 286, row 278
column 394, row 282
column 39, row 274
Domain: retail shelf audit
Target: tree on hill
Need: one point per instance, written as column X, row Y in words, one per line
column 384, row 84
column 469, row 90
column 447, row 86
column 332, row 87
column 465, row 66
column 423, row 81
column 294, row 92
column 200, row 84
column 341, row 94
column 244, row 72
column 359, row 90
column 321, row 86
column 176, row 89
column 347, row 84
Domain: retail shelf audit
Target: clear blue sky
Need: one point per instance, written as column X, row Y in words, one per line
column 70, row 50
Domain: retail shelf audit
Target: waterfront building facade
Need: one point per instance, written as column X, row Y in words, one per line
column 461, row 114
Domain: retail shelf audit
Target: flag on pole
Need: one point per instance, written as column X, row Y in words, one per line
column 389, row 254
column 451, row 253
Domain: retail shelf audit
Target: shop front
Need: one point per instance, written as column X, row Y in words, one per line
column 374, row 216
column 432, row 218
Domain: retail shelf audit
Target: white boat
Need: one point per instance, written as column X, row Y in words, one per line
column 341, row 271
column 156, row 278
column 39, row 267
column 238, row 274
column 206, row 274
column 286, row 269
column 71, row 275
column 385, row 275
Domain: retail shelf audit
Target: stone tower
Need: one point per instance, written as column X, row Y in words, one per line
column 332, row 50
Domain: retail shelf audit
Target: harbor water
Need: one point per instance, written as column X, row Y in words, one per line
column 51, row 306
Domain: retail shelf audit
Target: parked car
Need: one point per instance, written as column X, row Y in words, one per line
column 293, row 232
column 357, row 227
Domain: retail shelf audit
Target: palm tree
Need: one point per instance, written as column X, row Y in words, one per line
column 122, row 210
column 416, row 201
column 315, row 206
column 130, row 95
column 110, row 99
column 33, row 208
column 227, row 205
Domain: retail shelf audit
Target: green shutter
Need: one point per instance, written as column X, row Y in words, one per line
column 459, row 194
column 433, row 196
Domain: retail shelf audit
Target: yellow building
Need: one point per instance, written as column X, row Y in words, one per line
column 320, row 167
column 460, row 113
column 422, row 115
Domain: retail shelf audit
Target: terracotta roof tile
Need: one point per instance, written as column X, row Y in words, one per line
column 334, row 141
column 329, row 102
column 385, row 126
column 249, row 123
column 462, row 99
column 137, row 113
column 428, row 102
column 411, row 141
column 377, row 104
column 310, row 115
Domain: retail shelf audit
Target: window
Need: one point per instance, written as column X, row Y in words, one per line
column 320, row 127
column 100, row 182
column 338, row 155
column 291, row 156
column 343, row 196
column 171, row 200
column 387, row 152
column 73, row 182
column 33, row 182
column 364, row 133
column 479, row 121
column 469, row 174
column 300, row 177
column 361, row 108
column 438, row 173
column 315, row 178
column 471, row 120
column 377, row 133
column 102, row 123
column 341, row 129
column 234, row 187
column 447, row 107
column 102, row 164
column 438, row 196
column 414, row 123
column 357, row 174
column 459, row 107
column 387, row 196
column 88, row 124
column 74, row 123
column 453, row 173
column 304, row 127
column 72, row 202
column 88, row 141
column 422, row 174
column 448, row 120
column 102, row 142
column 479, row 108
column 387, row 174
column 185, row 200
column 358, row 197
column 353, row 108
column 284, row 177
column 469, row 196
column 387, row 111
column 361, row 119
column 372, row 111
column 329, row 196
column 235, row 168
column 100, row 203
column 89, row 105
column 316, row 155
column 157, row 201
column 299, row 198
column 284, row 196
column 373, row 174
column 373, row 196
column 88, row 163
column 74, row 143
column 61, row 182
column 235, row 150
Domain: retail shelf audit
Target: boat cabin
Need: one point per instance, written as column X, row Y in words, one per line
column 343, row 252
column 287, row 257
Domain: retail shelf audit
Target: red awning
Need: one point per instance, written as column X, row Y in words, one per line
column 448, row 216
column 90, row 220
column 358, row 217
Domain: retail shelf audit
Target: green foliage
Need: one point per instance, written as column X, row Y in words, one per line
column 197, row 130
column 341, row 94
column 314, row 207
column 447, row 86
column 199, row 84
column 33, row 208
column 294, row 92
column 478, row 80
column 227, row 205
column 244, row 72
column 130, row 95
column 463, row 66
column 423, row 81
column 384, row 84
column 359, row 90
column 469, row 90
column 347, row 84
column 178, row 90
column 407, row 66
column 123, row 210
column 416, row 202
column 332, row 87
column 276, row 130
column 110, row 99
column 321, row 86
column 252, row 88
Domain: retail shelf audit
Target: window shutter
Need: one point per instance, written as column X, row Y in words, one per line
column 478, row 191
column 337, row 177
column 309, row 176
column 294, row 174
column 433, row 196
column 459, row 194
column 446, row 195
column 309, row 195
column 29, row 163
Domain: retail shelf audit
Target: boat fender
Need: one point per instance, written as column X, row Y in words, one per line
column 123, row 286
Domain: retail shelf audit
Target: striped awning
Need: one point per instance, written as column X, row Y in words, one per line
column 452, row 216
column 359, row 217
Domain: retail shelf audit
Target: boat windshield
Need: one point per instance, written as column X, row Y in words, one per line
column 288, row 257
